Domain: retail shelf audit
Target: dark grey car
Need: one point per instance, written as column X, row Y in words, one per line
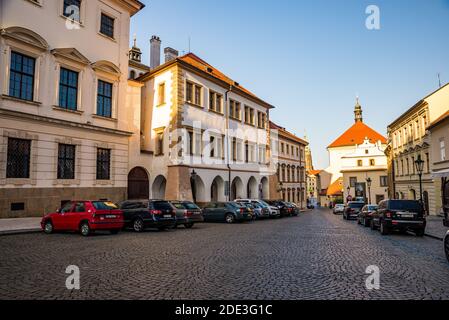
column 228, row 212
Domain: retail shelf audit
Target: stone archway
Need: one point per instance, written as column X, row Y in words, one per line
column 199, row 190
column 252, row 188
column 236, row 189
column 158, row 189
column 265, row 188
column 217, row 193
column 138, row 184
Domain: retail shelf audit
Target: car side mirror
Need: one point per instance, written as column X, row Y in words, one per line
column 58, row 210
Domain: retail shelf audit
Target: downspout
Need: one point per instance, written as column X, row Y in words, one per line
column 228, row 142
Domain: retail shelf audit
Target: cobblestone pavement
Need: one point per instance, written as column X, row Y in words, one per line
column 314, row 256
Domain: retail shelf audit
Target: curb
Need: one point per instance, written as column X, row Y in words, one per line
column 433, row 237
column 16, row 232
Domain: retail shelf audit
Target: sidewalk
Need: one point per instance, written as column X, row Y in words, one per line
column 435, row 227
column 20, row 225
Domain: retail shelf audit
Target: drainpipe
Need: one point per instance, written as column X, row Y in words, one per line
column 228, row 142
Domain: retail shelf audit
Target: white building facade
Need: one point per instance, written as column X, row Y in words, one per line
column 63, row 128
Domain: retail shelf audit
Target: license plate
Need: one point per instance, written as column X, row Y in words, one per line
column 111, row 216
column 407, row 215
column 167, row 216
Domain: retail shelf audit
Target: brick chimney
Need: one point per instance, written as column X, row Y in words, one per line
column 170, row 54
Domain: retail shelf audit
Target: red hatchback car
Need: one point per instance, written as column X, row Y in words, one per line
column 85, row 217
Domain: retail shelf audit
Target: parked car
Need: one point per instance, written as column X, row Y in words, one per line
column 366, row 214
column 339, row 208
column 282, row 206
column 85, row 217
column 446, row 245
column 187, row 213
column 296, row 210
column 229, row 212
column 261, row 209
column 352, row 210
column 143, row 214
column 401, row 215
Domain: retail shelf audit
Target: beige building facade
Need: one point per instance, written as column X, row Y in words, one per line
column 290, row 160
column 409, row 140
column 63, row 128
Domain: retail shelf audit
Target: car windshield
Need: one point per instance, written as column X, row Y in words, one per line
column 264, row 204
column 406, row 205
column 162, row 205
column 190, row 206
column 237, row 205
column 372, row 208
column 356, row 205
column 104, row 205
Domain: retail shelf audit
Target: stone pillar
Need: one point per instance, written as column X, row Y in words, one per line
column 178, row 184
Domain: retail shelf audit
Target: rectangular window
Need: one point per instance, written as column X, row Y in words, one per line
column 352, row 182
column 442, row 150
column 249, row 115
column 66, row 162
column 103, row 164
column 161, row 94
column 212, row 147
column 384, row 181
column 21, row 80
column 104, row 99
column 235, row 110
column 18, row 159
column 72, row 9
column 372, row 162
column 193, row 94
column 159, row 144
column 68, row 89
column 215, row 102
column 107, row 26
column 360, row 163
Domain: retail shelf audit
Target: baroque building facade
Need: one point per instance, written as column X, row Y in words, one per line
column 63, row 127
column 409, row 140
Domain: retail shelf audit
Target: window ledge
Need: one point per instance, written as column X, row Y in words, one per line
column 103, row 182
column 193, row 105
column 34, row 103
column 78, row 23
column 159, row 155
column 58, row 108
column 67, row 182
column 20, row 181
column 216, row 112
column 39, row 4
column 107, row 37
column 104, row 118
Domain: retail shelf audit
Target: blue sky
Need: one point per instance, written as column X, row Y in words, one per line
column 311, row 58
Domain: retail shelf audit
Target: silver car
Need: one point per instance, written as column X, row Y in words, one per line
column 446, row 245
column 263, row 209
column 339, row 208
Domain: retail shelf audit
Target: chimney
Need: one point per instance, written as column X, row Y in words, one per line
column 155, row 52
column 170, row 54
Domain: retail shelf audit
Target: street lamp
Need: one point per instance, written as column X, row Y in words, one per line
column 419, row 163
column 369, row 182
column 193, row 177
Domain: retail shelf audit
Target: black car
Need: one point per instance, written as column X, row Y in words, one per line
column 187, row 213
column 446, row 245
column 366, row 214
column 401, row 215
column 285, row 209
column 296, row 210
column 142, row 214
column 228, row 212
column 352, row 210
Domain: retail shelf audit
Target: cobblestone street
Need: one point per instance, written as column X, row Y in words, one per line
column 314, row 256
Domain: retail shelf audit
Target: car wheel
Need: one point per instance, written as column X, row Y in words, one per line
column 344, row 217
column 85, row 229
column 372, row 225
column 420, row 232
column 162, row 228
column 138, row 225
column 115, row 231
column 48, row 227
column 446, row 247
column 359, row 222
column 384, row 229
column 230, row 218
column 189, row 225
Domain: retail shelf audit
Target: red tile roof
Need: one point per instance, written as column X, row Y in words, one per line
column 356, row 135
column 314, row 172
column 336, row 188
column 202, row 65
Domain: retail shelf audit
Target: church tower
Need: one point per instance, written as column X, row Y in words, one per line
column 358, row 112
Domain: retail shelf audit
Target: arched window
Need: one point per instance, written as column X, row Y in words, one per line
column 132, row 74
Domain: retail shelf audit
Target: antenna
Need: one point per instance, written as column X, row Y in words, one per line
column 439, row 79
column 189, row 45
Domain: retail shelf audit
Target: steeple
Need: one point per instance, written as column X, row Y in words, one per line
column 134, row 53
column 358, row 112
